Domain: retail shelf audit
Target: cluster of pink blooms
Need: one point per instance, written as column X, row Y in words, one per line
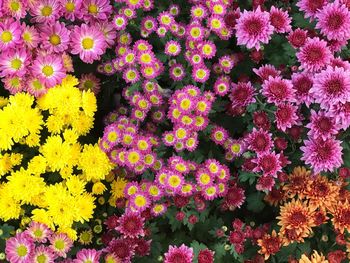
column 188, row 111
column 36, row 56
column 38, row 243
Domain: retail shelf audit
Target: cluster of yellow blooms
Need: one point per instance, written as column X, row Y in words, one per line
column 44, row 169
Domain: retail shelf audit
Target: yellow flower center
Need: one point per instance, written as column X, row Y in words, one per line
column 22, row 250
column 70, row 7
column 235, row 148
column 14, row 6
column 16, row 63
column 133, row 157
column 41, row 258
column 27, row 37
column 198, row 12
column 202, row 106
column 88, row 84
column 93, row 9
column 205, row 179
column 185, row 104
column 59, row 244
column 181, row 133
column 46, row 11
column 112, row 136
column 201, row 73
column 6, row 36
column 218, row 136
column 131, row 75
column 88, row 43
column 15, row 82
column 174, row 181
column 195, row 32
column 55, row 39
column 37, row 85
column 38, row 233
column 140, row 201
column 47, row 70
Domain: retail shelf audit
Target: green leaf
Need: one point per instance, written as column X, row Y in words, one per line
column 255, row 203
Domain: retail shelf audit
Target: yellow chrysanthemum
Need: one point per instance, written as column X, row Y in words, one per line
column 98, row 188
column 84, row 207
column 314, row 258
column 117, row 187
column 89, row 103
column 75, row 185
column 9, row 207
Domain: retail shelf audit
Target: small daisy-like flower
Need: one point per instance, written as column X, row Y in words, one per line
column 311, row 7
column 321, row 125
column 89, row 82
column 204, row 178
column 210, row 192
column 39, row 232
column 322, row 155
column 259, row 141
column 334, row 21
column 177, row 72
column 174, row 182
column 131, row 75
column 269, row 244
column 331, row 86
column 13, row 84
column 60, row 244
column 87, row 255
column 139, row 202
column 215, row 23
column 146, row 58
column 30, row 36
column 222, row 86
column 253, row 28
column 45, row 11
column 149, row 24
column 131, row 225
column 242, row 94
column 35, row 87
column 266, row 71
column 14, row 62
column 19, row 248
column 49, row 70
column 158, row 209
column 297, row 38
column 286, row 116
column 71, row 9
column 302, row 83
column 200, row 73
column 278, row 90
column 208, row 49
column 226, row 63
column 268, row 163
column 120, row 22
column 236, row 147
column 10, row 34
column 122, row 249
column 280, row 20
column 181, row 254
column 195, row 32
column 88, row 42
column 43, row 254
column 96, row 10
column 15, row 8
column 55, row 37
column 165, row 19
column 314, row 55
column 199, row 12
column 219, row 135
column 172, row 48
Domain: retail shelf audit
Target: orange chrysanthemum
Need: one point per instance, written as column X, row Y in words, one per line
column 341, row 216
column 297, row 182
column 269, row 244
column 296, row 220
column 321, row 192
column 275, row 196
column 314, row 258
column 344, row 193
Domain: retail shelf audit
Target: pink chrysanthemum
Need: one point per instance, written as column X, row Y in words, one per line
column 341, row 114
column 334, row 21
column 311, row 7
column 266, row 71
column 222, row 86
column 14, row 62
column 242, row 94
column 200, row 73
column 234, row 197
column 182, row 254
column 297, row 38
column 302, row 83
column 45, row 11
column 265, row 183
column 331, row 86
column 38, row 231
column 314, row 55
column 172, row 48
column 43, row 254
column 338, row 62
column 90, row 82
column 49, row 69
column 35, row 86
column 278, row 90
column 10, row 34
column 280, row 20
column 122, row 248
column 131, row 225
column 55, row 37
column 93, row 10
column 30, row 36
column 13, row 84
column 286, row 116
column 60, row 244
column 268, row 163
column 19, row 248
column 259, row 141
column 108, row 31
column 88, row 42
column 88, row 255
column 322, row 155
column 254, row 28
column 14, row 8
column 71, row 9
column 321, row 125
column 177, row 72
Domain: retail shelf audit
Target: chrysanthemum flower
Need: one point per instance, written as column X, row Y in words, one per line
column 222, row 86
column 296, row 216
column 266, row 71
column 310, row 7
column 14, row 62
column 49, row 69
column 71, row 9
column 286, row 116
column 122, row 248
column 139, row 202
column 55, row 37
column 35, row 87
column 93, row 10
column 280, row 20
column 315, row 257
column 43, row 254
column 131, row 225
column 206, row 256
column 200, row 73
column 321, row 125
column 269, row 244
column 242, row 94
column 234, row 197
column 38, row 231
column 259, row 141
column 297, row 182
column 15, row 8
column 331, row 86
column 297, row 38
column 19, row 248
column 340, row 218
column 120, row 22
column 182, row 254
column 89, row 82
column 199, row 12
column 172, row 48
column 302, row 83
column 341, row 113
column 88, row 42
column 45, row 11
column 87, row 255
column 177, row 72
column 10, row 34
column 334, row 21
column 314, row 55
column 254, row 28
column 322, row 155
column 30, row 36
column 268, row 163
column 60, row 244
column 278, row 90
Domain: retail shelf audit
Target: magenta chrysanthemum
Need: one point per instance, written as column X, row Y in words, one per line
column 278, row 90
column 302, row 83
column 331, row 86
column 19, row 248
column 334, row 21
column 254, row 28
column 322, row 155
column 286, row 116
column 280, row 20
column 242, row 94
column 182, row 254
column 321, row 125
column 259, row 141
column 268, row 163
column 131, row 225
column 314, row 55
column 310, row 7
column 341, row 114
